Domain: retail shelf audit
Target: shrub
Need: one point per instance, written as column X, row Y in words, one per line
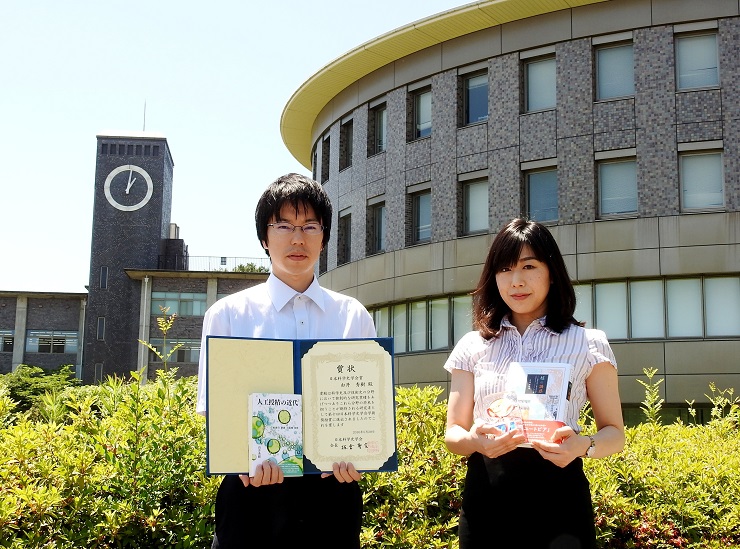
column 122, row 464
column 27, row 384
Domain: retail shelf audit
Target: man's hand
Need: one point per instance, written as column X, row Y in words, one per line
column 266, row 473
column 344, row 472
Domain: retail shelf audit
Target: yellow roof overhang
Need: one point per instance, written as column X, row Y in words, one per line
column 306, row 103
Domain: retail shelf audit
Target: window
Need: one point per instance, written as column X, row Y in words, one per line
column 722, row 304
column 98, row 372
column 6, row 341
column 656, row 309
column 344, row 239
column 313, row 164
column 155, row 150
column 439, row 310
column 647, row 306
column 542, row 195
column 422, row 216
column 611, row 309
column 615, row 72
column 584, row 304
column 103, row 278
column 617, row 187
column 377, row 227
column 429, row 324
column 345, row 145
column 696, row 61
column 475, row 206
column 138, row 153
column 147, row 150
column 684, row 307
column 418, row 326
column 325, row 150
column 100, row 331
column 475, row 98
column 382, row 320
column 702, row 185
column 43, row 341
column 422, row 113
column 130, row 150
column 377, row 130
column 104, row 148
column 180, row 303
column 539, row 80
column 188, row 350
column 398, row 328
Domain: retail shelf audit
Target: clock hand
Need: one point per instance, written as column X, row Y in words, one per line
column 130, row 181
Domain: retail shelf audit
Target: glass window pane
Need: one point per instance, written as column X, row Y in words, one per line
column 618, row 187
column 418, row 326
column 440, row 328
column 462, row 316
column 683, row 297
column 611, row 309
column 382, row 322
column 399, row 328
column 475, row 207
column 423, row 216
column 379, row 214
column 647, row 309
column 541, row 84
column 476, row 93
column 615, row 72
column 722, row 299
column 702, row 181
column 584, row 304
column 696, row 61
column 423, row 114
column 543, row 195
column 380, row 126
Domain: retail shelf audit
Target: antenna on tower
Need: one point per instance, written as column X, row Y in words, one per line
column 144, row 127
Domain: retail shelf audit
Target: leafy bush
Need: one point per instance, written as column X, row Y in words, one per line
column 124, row 468
column 122, row 464
column 27, row 384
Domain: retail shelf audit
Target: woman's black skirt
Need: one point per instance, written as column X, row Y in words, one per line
column 521, row 500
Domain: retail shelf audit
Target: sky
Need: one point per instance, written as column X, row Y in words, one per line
column 213, row 80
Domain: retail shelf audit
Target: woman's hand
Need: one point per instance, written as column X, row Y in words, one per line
column 493, row 442
column 563, row 447
column 343, row 472
column 266, row 473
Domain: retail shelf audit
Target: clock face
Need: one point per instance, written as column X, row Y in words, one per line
column 128, row 188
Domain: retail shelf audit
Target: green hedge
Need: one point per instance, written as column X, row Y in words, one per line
column 121, row 464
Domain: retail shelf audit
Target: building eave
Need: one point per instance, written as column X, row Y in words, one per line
column 304, row 106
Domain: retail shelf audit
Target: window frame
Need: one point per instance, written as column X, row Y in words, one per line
column 601, row 164
column 346, row 147
column 466, row 212
column 416, row 212
column 417, row 95
column 684, row 38
column 466, row 98
column 683, row 156
column 598, row 50
column 377, row 129
column 528, row 63
column 528, row 192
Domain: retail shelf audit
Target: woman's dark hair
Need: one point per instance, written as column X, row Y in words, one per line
column 489, row 307
column 299, row 191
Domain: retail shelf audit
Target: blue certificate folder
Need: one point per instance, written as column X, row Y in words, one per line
column 348, row 389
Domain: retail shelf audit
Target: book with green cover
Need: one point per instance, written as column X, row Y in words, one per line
column 277, row 432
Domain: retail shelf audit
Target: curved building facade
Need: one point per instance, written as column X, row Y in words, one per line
column 616, row 123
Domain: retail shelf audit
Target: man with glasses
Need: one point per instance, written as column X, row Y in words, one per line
column 293, row 220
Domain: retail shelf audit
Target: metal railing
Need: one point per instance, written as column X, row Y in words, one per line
column 216, row 263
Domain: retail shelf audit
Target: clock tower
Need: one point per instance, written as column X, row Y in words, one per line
column 131, row 219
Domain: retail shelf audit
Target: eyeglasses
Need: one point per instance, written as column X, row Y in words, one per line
column 308, row 229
